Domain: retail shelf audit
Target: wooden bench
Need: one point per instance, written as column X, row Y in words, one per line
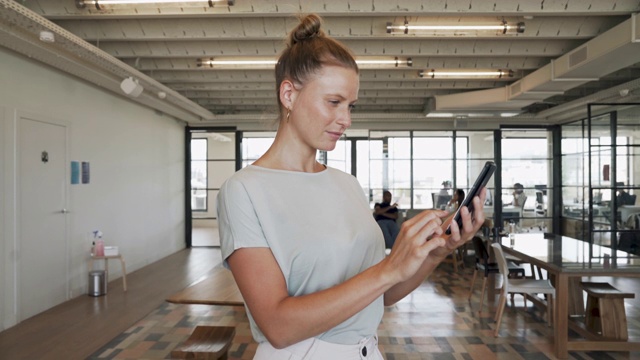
column 206, row 342
column 605, row 312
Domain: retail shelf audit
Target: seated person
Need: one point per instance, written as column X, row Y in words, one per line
column 456, row 199
column 519, row 196
column 623, row 197
column 386, row 215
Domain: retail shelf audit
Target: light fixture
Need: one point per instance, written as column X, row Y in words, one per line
column 131, row 87
column 384, row 62
column 47, row 36
column 81, row 4
column 465, row 73
column 503, row 28
column 266, row 63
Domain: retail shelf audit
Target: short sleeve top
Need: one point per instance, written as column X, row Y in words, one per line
column 319, row 228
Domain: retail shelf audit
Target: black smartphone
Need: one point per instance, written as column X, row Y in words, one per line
column 482, row 180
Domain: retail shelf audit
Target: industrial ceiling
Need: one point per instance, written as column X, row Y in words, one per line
column 568, row 53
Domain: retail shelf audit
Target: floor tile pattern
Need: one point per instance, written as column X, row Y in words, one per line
column 435, row 322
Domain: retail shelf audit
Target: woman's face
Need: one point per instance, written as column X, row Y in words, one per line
column 321, row 108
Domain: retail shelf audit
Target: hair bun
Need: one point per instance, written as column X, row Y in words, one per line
column 308, row 28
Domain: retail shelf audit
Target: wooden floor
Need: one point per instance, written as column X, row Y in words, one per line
column 79, row 327
column 435, row 322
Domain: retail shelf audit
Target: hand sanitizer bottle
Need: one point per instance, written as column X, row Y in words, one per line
column 99, row 248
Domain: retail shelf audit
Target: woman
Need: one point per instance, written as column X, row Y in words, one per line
column 519, row 197
column 299, row 237
column 456, row 199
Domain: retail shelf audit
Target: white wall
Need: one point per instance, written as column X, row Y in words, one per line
column 136, row 193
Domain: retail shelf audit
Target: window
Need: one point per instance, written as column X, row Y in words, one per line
column 340, row 157
column 255, row 145
column 199, row 174
column 526, row 160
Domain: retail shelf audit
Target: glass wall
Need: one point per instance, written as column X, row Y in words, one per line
column 422, row 169
column 600, row 170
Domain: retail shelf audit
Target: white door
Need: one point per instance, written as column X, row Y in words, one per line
column 42, row 259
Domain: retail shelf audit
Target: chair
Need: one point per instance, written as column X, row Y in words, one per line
column 483, row 265
column 632, row 221
column 519, row 286
column 440, row 201
column 513, row 214
column 539, row 209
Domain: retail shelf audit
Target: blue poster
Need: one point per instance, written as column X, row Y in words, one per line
column 75, row 173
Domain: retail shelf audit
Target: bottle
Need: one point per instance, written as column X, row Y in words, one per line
column 100, row 247
column 512, row 233
column 93, row 248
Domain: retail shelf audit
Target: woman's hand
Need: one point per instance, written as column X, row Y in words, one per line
column 418, row 236
column 471, row 223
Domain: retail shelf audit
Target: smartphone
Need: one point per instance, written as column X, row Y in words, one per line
column 482, row 180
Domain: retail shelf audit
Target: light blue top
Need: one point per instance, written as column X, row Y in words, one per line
column 319, row 227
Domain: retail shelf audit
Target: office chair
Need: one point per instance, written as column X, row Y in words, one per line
column 539, row 209
column 519, row 286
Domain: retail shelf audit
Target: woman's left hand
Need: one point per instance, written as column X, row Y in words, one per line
column 471, row 223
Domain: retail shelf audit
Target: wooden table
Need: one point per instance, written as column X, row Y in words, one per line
column 568, row 260
column 217, row 288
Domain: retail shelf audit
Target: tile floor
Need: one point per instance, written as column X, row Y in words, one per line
column 434, row 322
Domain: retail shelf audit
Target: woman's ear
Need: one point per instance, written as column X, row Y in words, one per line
column 287, row 93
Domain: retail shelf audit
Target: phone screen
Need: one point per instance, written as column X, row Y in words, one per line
column 482, row 180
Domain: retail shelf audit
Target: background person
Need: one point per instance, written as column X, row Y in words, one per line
column 456, row 199
column 299, row 237
column 386, row 215
column 519, row 196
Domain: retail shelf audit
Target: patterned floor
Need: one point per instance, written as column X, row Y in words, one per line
column 434, row 322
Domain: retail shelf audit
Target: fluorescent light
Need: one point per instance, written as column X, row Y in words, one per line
column 99, row 3
column 465, row 73
column 263, row 63
column 384, row 62
column 503, row 28
column 213, row 62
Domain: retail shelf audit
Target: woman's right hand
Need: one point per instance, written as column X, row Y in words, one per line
column 417, row 238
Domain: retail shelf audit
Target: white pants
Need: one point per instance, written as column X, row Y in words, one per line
column 315, row 349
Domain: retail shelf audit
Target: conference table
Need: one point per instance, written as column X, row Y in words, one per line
column 567, row 260
column 217, row 288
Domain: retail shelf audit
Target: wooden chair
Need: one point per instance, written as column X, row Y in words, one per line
column 486, row 267
column 519, row 286
column 605, row 312
column 455, row 258
column 206, row 342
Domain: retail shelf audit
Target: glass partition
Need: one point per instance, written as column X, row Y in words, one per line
column 600, row 170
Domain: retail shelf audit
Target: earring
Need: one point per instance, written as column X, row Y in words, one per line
column 288, row 114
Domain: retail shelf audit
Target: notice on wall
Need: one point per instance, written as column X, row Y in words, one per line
column 86, row 173
column 75, row 172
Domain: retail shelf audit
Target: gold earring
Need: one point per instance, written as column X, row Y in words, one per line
column 288, row 114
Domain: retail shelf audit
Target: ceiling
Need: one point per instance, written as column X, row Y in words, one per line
column 571, row 53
